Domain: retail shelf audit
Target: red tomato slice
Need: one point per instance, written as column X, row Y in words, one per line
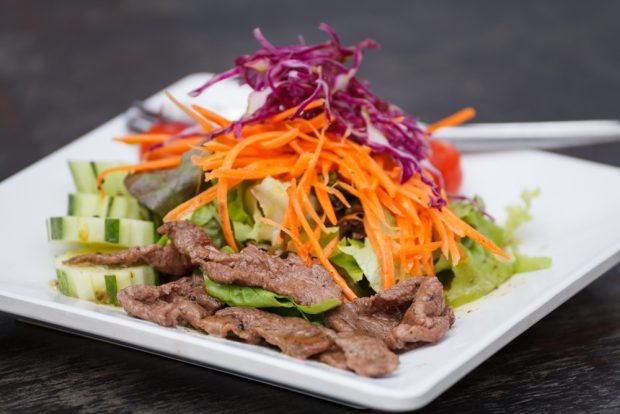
column 447, row 159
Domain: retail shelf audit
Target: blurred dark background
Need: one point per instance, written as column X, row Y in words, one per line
column 68, row 66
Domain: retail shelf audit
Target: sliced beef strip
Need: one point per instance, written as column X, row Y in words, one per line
column 360, row 315
column 176, row 303
column 426, row 320
column 191, row 241
column 411, row 312
column 166, row 259
column 366, row 355
column 184, row 302
column 306, row 285
column 334, row 357
column 294, row 336
column 225, row 326
column 290, row 277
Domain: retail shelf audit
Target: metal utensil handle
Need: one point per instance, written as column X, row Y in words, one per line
column 507, row 136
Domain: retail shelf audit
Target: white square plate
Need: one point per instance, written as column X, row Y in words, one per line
column 582, row 246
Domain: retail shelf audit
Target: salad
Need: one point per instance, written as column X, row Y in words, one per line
column 324, row 212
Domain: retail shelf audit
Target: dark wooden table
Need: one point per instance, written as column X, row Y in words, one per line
column 67, row 66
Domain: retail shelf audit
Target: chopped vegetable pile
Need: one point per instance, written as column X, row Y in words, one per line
column 322, row 167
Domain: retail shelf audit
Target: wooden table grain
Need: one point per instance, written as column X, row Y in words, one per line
column 67, row 66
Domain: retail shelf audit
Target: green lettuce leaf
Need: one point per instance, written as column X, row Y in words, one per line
column 247, row 204
column 242, row 221
column 468, row 212
column 347, row 263
column 267, row 199
column 208, row 218
column 162, row 190
column 524, row 263
column 234, row 295
column 358, row 259
column 479, row 271
column 519, row 213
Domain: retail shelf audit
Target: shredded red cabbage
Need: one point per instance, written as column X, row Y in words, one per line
column 284, row 77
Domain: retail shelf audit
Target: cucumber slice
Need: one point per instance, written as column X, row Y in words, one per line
column 99, row 284
column 106, row 231
column 119, row 207
column 111, row 289
column 85, row 174
column 88, row 205
column 95, row 205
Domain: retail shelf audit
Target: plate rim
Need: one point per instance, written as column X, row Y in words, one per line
column 535, row 310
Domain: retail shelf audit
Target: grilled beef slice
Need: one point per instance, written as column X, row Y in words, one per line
column 177, row 303
column 290, row 277
column 411, row 312
column 365, row 355
column 426, row 320
column 293, row 336
column 334, row 357
column 191, row 241
column 184, row 302
column 166, row 259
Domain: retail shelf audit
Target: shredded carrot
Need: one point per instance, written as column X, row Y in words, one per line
column 216, row 146
column 331, row 246
column 467, row 230
column 373, row 232
column 211, row 116
column 247, row 174
column 293, row 223
column 230, row 139
column 378, row 172
column 206, row 125
column 455, row 119
column 404, row 230
column 402, row 254
column 318, row 230
column 310, row 173
column 326, row 204
column 333, row 191
column 301, row 165
column 277, row 142
column 281, row 228
column 441, row 231
column 191, row 205
column 143, row 139
column 308, row 208
column 173, row 148
column 222, row 209
column 282, row 116
column 349, row 294
column 349, row 189
column 296, row 147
